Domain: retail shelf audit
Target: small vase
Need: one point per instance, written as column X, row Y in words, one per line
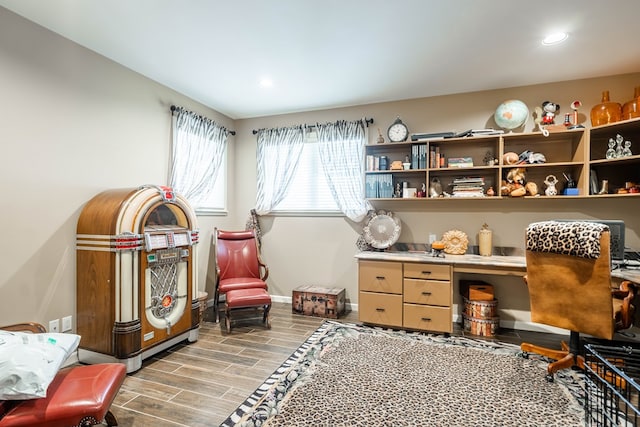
column 631, row 109
column 606, row 111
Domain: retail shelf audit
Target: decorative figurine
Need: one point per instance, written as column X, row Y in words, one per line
column 551, row 182
column 619, row 141
column 490, row 159
column 611, row 152
column 398, row 192
column 423, row 191
column 549, row 110
column 435, row 190
column 627, row 149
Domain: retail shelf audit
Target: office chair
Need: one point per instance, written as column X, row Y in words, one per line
column 569, row 281
column 238, row 264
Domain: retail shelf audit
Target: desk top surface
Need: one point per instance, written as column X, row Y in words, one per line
column 481, row 262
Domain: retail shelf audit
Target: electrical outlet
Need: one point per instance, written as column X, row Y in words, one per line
column 54, row 325
column 66, row 323
column 432, row 237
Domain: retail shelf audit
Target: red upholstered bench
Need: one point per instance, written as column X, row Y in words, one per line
column 247, row 298
column 78, row 396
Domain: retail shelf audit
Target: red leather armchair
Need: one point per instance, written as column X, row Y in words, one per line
column 238, row 263
column 79, row 395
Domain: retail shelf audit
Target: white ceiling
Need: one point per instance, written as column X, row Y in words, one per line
column 333, row 53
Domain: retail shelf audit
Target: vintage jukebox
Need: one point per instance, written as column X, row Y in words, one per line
column 136, row 275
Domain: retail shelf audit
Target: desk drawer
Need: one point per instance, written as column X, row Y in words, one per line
column 380, row 276
column 427, row 271
column 428, row 318
column 432, row 292
column 380, row 309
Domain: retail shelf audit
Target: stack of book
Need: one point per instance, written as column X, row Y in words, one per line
column 468, row 187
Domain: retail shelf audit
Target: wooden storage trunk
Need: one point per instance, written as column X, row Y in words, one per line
column 318, row 301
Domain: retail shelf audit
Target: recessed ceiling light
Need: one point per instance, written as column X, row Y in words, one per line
column 555, row 38
column 266, row 82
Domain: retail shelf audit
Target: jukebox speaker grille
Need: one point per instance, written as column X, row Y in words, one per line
column 164, row 289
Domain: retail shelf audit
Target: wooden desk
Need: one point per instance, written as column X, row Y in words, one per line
column 468, row 263
column 381, row 275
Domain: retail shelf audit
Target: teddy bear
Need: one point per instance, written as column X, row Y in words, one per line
column 549, row 110
column 515, row 184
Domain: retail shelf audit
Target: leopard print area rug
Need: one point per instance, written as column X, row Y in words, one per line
column 349, row 375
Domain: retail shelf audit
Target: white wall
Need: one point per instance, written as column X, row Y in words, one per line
column 74, row 124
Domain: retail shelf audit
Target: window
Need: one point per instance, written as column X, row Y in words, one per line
column 216, row 201
column 199, row 161
column 316, row 172
column 309, row 191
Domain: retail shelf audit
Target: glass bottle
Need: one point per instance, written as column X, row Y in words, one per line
column 606, row 111
column 631, row 109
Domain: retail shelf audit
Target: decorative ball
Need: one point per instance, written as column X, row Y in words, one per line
column 511, row 114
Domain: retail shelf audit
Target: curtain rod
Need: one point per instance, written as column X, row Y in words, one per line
column 174, row 108
column 367, row 121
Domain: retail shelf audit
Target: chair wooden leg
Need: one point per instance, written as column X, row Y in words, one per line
column 266, row 319
column 227, row 318
column 216, row 308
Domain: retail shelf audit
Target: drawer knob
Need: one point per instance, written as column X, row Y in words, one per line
column 426, row 293
column 380, row 309
column 380, row 277
column 426, row 319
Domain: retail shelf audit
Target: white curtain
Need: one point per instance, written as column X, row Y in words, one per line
column 342, row 154
column 198, row 150
column 278, row 153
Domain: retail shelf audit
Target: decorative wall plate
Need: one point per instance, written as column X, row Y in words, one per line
column 455, row 242
column 382, row 229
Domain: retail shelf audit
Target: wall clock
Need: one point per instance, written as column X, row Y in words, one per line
column 398, row 131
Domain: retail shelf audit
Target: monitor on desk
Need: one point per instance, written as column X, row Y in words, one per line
column 616, row 232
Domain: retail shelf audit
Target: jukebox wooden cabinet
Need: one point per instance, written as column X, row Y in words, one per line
column 136, row 275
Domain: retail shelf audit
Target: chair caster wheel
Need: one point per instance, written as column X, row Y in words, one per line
column 549, row 378
column 524, row 355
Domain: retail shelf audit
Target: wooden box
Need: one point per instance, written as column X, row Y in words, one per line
column 318, row 301
column 475, row 290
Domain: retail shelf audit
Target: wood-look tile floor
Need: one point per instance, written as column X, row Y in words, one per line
column 201, row 383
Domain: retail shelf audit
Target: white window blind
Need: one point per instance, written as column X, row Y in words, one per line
column 309, row 192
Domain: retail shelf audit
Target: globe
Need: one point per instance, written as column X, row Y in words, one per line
column 511, row 114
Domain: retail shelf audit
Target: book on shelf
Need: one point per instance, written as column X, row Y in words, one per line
column 379, row 186
column 460, row 162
